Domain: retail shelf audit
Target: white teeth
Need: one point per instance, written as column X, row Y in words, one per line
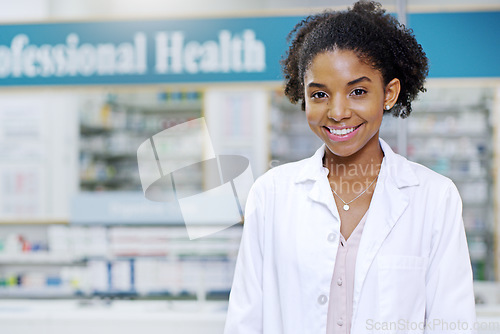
column 341, row 132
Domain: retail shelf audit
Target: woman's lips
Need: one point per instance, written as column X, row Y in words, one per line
column 342, row 134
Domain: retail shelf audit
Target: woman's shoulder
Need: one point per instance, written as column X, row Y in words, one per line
column 419, row 179
column 408, row 172
column 433, row 183
column 427, row 175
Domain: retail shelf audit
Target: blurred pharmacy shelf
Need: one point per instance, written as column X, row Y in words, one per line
column 115, row 243
column 291, row 137
column 113, row 126
column 139, row 262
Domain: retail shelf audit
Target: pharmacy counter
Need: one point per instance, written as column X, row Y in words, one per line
column 98, row 317
column 133, row 317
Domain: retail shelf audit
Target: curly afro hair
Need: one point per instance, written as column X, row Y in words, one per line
column 375, row 36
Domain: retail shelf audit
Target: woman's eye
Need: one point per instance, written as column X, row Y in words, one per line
column 358, row 92
column 319, row 95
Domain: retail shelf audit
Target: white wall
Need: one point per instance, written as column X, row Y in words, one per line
column 35, row 10
column 38, row 155
column 23, row 10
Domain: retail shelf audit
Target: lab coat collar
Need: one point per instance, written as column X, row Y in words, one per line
column 313, row 169
column 398, row 168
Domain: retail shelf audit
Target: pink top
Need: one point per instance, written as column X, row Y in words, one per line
column 342, row 286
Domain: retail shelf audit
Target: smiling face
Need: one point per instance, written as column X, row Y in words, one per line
column 345, row 99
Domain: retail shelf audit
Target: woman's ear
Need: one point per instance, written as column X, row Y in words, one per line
column 391, row 93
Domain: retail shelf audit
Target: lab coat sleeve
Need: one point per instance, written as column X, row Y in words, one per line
column 245, row 312
column 449, row 291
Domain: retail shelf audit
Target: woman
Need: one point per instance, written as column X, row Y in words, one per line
column 355, row 239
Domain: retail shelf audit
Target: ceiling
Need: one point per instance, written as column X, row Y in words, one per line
column 29, row 10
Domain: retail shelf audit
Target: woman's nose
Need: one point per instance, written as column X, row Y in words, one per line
column 338, row 110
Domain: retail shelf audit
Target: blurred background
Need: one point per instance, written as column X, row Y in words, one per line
column 84, row 83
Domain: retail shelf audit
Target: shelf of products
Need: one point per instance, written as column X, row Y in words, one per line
column 291, row 137
column 112, row 127
column 117, row 262
column 133, row 256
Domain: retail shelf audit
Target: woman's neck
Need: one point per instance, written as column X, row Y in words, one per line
column 364, row 163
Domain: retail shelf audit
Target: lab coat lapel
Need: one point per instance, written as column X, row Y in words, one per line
column 387, row 205
column 320, row 191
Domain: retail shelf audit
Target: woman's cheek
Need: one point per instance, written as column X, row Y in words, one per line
column 313, row 115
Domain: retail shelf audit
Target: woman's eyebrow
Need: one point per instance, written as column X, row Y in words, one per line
column 358, row 80
column 315, row 84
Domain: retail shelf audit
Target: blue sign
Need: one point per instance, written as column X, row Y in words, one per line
column 213, row 50
column 459, row 44
column 170, row 51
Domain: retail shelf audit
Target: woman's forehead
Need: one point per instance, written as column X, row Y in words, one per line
column 340, row 65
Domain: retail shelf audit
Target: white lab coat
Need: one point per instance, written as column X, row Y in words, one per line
column 412, row 264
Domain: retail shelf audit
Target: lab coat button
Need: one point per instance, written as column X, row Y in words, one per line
column 339, row 281
column 322, row 300
column 331, row 237
column 340, row 322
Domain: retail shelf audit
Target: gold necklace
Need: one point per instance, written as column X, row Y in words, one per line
column 346, row 206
